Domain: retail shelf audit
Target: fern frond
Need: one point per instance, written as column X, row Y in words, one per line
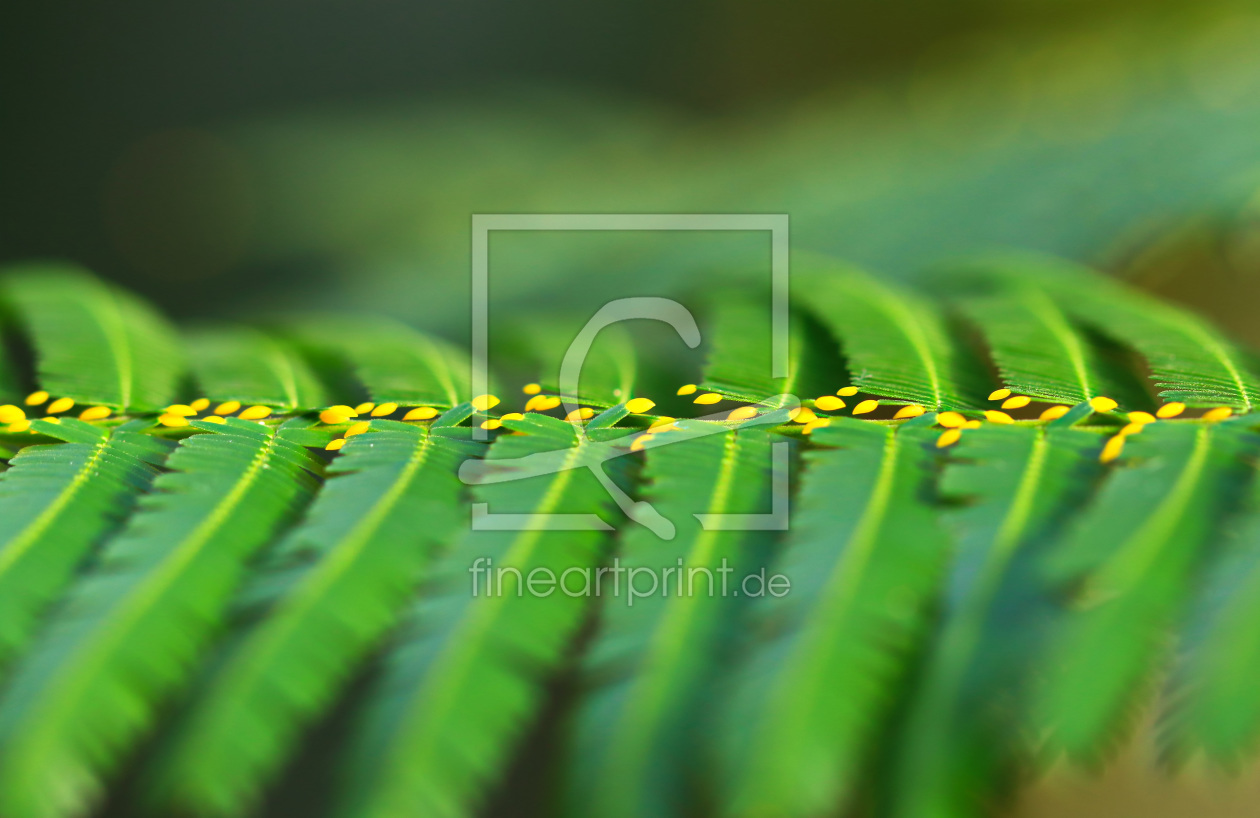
column 321, row 600
column 1039, row 352
column 131, row 629
column 1016, row 485
column 897, row 345
column 395, row 363
column 93, row 342
column 739, row 362
column 470, row 668
column 865, row 553
column 57, row 502
column 1127, row 561
column 1216, row 710
column 652, row 659
column 1190, row 361
column 245, row 365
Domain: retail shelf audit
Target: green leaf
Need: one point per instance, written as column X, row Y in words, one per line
column 864, row 555
column 57, row 501
column 128, row 634
column 318, row 604
column 242, row 364
column 740, row 362
column 1216, row 710
column 1126, row 562
column 469, row 671
column 655, row 656
column 1039, row 352
column 93, row 342
column 1014, row 487
column 395, row 363
column 897, row 345
column 1189, row 360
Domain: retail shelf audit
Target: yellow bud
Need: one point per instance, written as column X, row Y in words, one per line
column 687, row 389
column 200, row 404
column 384, row 409
column 491, row 424
column 802, row 414
column 582, row 413
column 638, row 406
column 227, row 408
column 999, row 394
column 513, row 416
column 1016, row 402
column 865, row 406
column 19, row 426
column 1101, row 404
column 483, row 403
column 821, row 423
column 661, row 423
column 742, row 413
column 217, row 420
column 1219, row 413
column 1055, row 412
column 1112, row 449
column 95, row 413
column 950, row 420
column 708, row 398
column 358, row 428
column 948, row 438
column 173, row 421
column 1132, row 428
column 993, row 416
column 421, row 413
column 640, row 442
column 364, row 408
column 51, row 420
column 36, row 398
column 1141, row 417
column 11, row 414
column 1170, row 410
column 911, row 411
column 60, row 405
column 335, row 445
column 531, row 388
column 829, row 403
column 549, row 403
column 255, row 413
column 971, row 424
column 337, row 415
column 847, row 391
column 181, row 410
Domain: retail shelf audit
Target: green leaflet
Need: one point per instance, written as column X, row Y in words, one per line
column 242, row 364
column 1216, row 710
column 468, row 673
column 1016, row 486
column 395, row 363
column 56, row 503
column 1189, row 360
column 654, row 657
column 1040, row 353
column 1126, row 561
column 740, row 353
column 93, row 342
column 129, row 632
column 864, row 555
column 321, row 601
column 897, row 345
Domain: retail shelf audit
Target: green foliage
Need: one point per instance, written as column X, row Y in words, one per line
column 177, row 632
column 897, row 344
column 126, row 636
column 241, row 364
column 93, row 342
column 865, row 555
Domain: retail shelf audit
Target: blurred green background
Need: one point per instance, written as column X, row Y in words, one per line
column 284, row 154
